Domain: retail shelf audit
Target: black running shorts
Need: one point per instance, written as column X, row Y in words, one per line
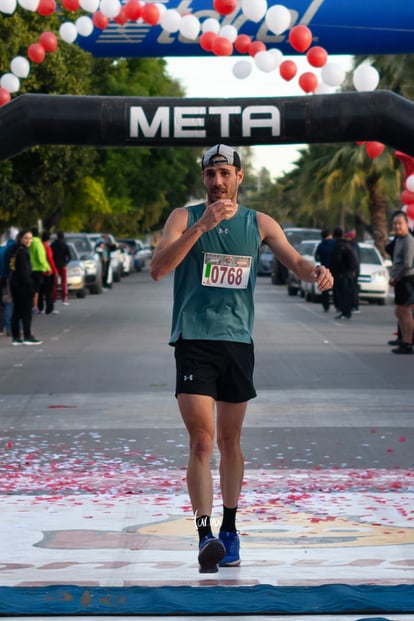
column 220, row 369
column 404, row 291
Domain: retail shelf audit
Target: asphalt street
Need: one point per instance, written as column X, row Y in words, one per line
column 100, row 387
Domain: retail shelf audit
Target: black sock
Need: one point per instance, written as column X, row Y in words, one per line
column 203, row 526
column 229, row 519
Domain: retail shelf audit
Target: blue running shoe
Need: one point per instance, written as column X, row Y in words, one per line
column 231, row 542
column 211, row 551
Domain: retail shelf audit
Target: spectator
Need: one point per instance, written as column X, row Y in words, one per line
column 343, row 268
column 323, row 255
column 402, row 279
column 47, row 288
column 7, row 300
column 350, row 236
column 22, row 289
column 61, row 257
column 40, row 266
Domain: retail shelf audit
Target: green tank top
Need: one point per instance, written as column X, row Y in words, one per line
column 219, row 313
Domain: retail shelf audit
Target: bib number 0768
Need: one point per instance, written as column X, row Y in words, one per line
column 223, row 275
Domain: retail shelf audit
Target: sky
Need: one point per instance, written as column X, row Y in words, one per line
column 213, row 77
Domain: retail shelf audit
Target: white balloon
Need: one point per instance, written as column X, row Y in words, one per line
column 84, row 26
column 333, row 74
column 29, row 5
column 8, row 6
column 365, row 78
column 265, row 61
column 10, row 82
column 161, row 7
column 110, row 8
column 68, row 32
column 278, row 18
column 211, row 25
column 228, row 32
column 409, row 183
column 242, row 69
column 20, row 66
column 254, row 10
column 190, row 27
column 324, row 89
column 277, row 54
column 170, row 20
column 90, row 6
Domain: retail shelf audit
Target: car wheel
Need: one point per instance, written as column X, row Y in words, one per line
column 382, row 301
column 81, row 293
column 96, row 288
column 292, row 290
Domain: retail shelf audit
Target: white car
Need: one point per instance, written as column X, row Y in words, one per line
column 373, row 279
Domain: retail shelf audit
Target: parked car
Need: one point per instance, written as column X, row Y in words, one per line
column 76, row 274
column 141, row 252
column 372, row 280
column 116, row 258
column 307, row 249
column 89, row 260
column 264, row 266
column 295, row 235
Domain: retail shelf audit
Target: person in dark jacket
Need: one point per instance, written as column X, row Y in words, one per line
column 323, row 255
column 22, row 290
column 343, row 267
column 61, row 257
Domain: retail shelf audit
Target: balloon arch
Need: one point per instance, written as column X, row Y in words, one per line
column 319, row 118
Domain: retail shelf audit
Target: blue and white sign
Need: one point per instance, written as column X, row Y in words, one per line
column 340, row 26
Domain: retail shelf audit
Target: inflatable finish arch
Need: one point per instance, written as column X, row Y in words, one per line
column 31, row 120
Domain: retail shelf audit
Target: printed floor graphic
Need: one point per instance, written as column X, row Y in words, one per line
column 345, row 538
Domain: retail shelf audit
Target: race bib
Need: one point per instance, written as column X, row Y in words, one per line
column 226, row 270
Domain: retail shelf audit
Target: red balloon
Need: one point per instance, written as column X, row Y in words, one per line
column 100, row 20
column 255, row 47
column 222, row 47
column 36, row 52
column 150, row 14
column 288, row 69
column 71, row 5
column 121, row 18
column 206, row 40
column 317, row 56
column 242, row 43
column 133, row 10
column 46, row 7
column 300, row 38
column 374, row 149
column 224, row 7
column 49, row 41
column 5, row 96
column 410, row 211
column 308, row 82
column 407, row 197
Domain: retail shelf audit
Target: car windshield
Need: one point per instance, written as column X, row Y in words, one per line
column 82, row 244
column 295, row 237
column 308, row 247
column 370, row 255
column 72, row 252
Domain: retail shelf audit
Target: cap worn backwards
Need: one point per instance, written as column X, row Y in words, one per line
column 221, row 154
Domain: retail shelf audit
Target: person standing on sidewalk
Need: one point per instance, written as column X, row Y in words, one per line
column 61, row 257
column 22, row 289
column 323, row 254
column 402, row 279
column 40, row 266
column 213, row 249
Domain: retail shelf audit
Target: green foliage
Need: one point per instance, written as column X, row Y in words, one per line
column 126, row 191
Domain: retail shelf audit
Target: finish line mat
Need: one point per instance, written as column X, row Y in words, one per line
column 123, row 541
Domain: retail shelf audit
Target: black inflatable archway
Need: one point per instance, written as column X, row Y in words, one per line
column 31, row 120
